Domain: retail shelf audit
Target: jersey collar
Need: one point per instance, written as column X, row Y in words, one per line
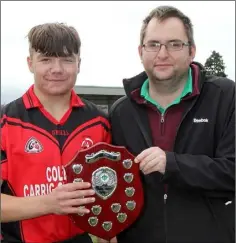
column 31, row 100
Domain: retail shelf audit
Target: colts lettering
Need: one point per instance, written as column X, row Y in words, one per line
column 55, row 176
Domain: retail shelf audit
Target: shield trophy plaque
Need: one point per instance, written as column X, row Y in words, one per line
column 118, row 189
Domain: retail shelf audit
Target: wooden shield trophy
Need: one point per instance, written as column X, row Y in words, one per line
column 116, row 181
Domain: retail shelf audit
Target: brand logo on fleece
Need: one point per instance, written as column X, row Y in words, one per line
column 201, row 120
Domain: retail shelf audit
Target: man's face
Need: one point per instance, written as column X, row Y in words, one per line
column 165, row 65
column 54, row 75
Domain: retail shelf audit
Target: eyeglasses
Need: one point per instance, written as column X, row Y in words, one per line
column 170, row 46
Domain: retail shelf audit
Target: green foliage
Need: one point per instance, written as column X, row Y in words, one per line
column 215, row 65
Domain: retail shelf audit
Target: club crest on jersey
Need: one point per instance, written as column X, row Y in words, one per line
column 87, row 143
column 33, row 146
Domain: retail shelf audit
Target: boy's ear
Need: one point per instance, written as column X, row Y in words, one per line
column 30, row 64
column 79, row 63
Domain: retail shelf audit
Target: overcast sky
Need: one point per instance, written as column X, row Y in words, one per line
column 110, row 36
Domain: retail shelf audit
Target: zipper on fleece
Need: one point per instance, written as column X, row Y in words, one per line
column 165, row 218
column 162, row 121
column 162, row 124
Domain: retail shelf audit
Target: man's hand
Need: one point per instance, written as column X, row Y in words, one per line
column 152, row 159
column 67, row 198
column 100, row 240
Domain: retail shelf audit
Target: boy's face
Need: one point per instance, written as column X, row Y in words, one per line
column 54, row 75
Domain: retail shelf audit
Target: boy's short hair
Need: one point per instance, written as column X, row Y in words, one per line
column 54, row 39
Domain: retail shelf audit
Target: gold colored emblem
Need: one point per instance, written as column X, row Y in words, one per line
column 93, row 221
column 121, row 217
column 129, row 191
column 77, row 168
column 107, row 225
column 128, row 177
column 81, row 214
column 96, row 209
column 115, row 207
column 131, row 205
column 127, row 163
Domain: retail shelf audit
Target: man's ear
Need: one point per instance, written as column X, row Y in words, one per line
column 79, row 62
column 30, row 64
column 140, row 52
column 193, row 52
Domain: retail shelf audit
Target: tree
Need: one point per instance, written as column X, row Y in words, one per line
column 214, row 65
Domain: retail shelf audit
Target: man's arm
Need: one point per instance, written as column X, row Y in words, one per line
column 203, row 172
column 113, row 240
column 215, row 175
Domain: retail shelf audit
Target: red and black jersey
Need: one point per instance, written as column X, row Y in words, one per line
column 34, row 149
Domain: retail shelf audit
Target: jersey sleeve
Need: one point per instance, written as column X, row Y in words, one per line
column 107, row 131
column 3, row 158
column 3, row 165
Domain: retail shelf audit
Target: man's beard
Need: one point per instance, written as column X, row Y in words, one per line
column 158, row 78
column 171, row 81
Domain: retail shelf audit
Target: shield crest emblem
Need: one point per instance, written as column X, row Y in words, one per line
column 116, row 181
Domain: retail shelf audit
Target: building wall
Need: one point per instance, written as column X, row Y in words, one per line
column 103, row 101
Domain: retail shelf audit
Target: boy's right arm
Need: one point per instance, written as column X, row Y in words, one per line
column 64, row 199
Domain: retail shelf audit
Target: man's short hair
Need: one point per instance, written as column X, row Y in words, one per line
column 164, row 12
column 54, row 39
